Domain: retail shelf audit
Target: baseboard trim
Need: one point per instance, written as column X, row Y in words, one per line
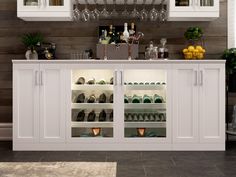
column 5, row 131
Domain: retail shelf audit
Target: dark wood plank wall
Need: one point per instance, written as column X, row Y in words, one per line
column 71, row 37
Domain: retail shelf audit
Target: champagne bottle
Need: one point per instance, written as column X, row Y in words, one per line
column 91, row 99
column 102, row 98
column 111, row 81
column 91, row 81
column 80, row 81
column 147, row 99
column 91, row 116
column 102, row 116
column 136, row 99
column 111, row 116
column 81, row 116
column 111, row 98
column 158, row 99
column 80, row 98
column 126, row 99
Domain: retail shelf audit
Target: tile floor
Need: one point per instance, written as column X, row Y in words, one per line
column 141, row 164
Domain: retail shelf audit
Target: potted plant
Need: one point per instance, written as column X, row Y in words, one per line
column 230, row 56
column 31, row 40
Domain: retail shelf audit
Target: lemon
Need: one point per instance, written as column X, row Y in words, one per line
column 189, row 55
column 199, row 48
column 195, row 51
column 203, row 50
column 200, row 56
column 190, row 48
column 185, row 50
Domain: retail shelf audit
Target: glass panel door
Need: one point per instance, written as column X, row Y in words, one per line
column 145, row 103
column 56, row 2
column 31, row 3
column 92, row 104
column 206, row 3
column 180, row 3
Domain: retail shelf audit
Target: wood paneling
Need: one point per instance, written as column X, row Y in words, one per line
column 71, row 37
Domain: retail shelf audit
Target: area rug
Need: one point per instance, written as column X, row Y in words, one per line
column 58, row 169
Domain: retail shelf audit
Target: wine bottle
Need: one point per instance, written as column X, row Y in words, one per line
column 130, row 117
column 135, row 83
column 132, row 31
column 126, row 99
column 81, row 116
column 111, row 81
column 162, row 117
column 91, row 99
column 102, row 116
column 111, row 116
column 135, row 117
column 146, row 118
column 151, row 117
column 80, row 81
column 136, row 99
column 102, row 98
column 80, row 98
column 91, row 116
column 157, row 118
column 147, row 99
column 91, row 81
column 102, row 82
column 140, row 117
column 158, row 99
column 111, row 98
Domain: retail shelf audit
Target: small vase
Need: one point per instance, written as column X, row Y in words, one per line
column 31, row 55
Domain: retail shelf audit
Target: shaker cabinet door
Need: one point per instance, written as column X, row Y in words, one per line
column 52, row 104
column 212, row 103
column 26, row 103
column 185, row 104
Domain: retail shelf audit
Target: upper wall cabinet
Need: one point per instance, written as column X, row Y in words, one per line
column 193, row 10
column 44, row 10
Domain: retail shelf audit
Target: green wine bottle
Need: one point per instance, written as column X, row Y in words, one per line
column 91, row 81
column 147, row 99
column 80, row 98
column 111, row 98
column 80, row 81
column 135, row 117
column 102, row 82
column 111, row 81
column 146, row 118
column 136, row 99
column 92, row 99
column 111, row 116
column 91, row 116
column 102, row 116
column 126, row 99
column 140, row 117
column 158, row 99
column 151, row 117
column 102, row 98
column 81, row 116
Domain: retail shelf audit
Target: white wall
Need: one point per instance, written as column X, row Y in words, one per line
column 231, row 23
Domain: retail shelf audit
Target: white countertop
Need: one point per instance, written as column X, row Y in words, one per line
column 68, row 61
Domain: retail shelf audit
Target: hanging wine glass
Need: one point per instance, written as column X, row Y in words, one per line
column 85, row 14
column 135, row 14
column 76, row 12
column 144, row 13
column 125, row 13
column 114, row 13
column 104, row 13
column 153, row 14
column 163, row 12
column 95, row 14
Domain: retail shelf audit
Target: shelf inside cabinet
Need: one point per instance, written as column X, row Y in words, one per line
column 144, row 87
column 159, row 106
column 92, row 124
column 92, row 105
column 92, row 87
column 145, row 124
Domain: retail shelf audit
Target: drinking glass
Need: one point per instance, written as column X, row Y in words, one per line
column 104, row 13
column 144, row 13
column 85, row 14
column 95, row 14
column 163, row 12
column 135, row 14
column 76, row 12
column 114, row 13
column 153, row 14
column 125, row 13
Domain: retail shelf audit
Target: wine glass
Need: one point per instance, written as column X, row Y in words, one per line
column 163, row 12
column 76, row 12
column 135, row 14
column 114, row 13
column 104, row 13
column 85, row 14
column 125, row 13
column 95, row 14
column 153, row 14
column 144, row 13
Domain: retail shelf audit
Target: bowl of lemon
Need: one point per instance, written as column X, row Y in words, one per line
column 194, row 52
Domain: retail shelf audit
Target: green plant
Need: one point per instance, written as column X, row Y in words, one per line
column 31, row 40
column 230, row 56
column 193, row 33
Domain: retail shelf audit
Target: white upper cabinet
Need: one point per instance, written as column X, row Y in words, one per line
column 193, row 10
column 44, row 10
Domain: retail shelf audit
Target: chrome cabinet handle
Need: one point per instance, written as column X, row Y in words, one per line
column 196, row 78
column 121, row 78
column 36, row 78
column 41, row 77
column 115, row 78
column 201, row 77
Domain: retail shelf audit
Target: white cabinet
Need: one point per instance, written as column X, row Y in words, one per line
column 193, row 10
column 38, row 106
column 198, row 114
column 26, row 103
column 44, row 10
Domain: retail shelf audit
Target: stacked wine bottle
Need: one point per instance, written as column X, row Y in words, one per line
column 145, row 117
column 92, row 81
column 92, row 116
column 143, row 99
column 102, row 98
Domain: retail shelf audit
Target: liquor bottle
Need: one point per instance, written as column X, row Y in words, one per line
column 91, row 116
column 136, row 99
column 102, row 98
column 102, row 116
column 91, row 81
column 113, row 39
column 126, row 33
column 102, row 82
column 163, row 52
column 157, row 99
column 126, row 99
column 111, row 116
column 91, row 99
column 132, row 31
column 80, row 81
column 80, row 98
column 111, row 98
column 111, row 81
column 147, row 99
column 81, row 116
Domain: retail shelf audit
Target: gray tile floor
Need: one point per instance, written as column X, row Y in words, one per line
column 141, row 164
